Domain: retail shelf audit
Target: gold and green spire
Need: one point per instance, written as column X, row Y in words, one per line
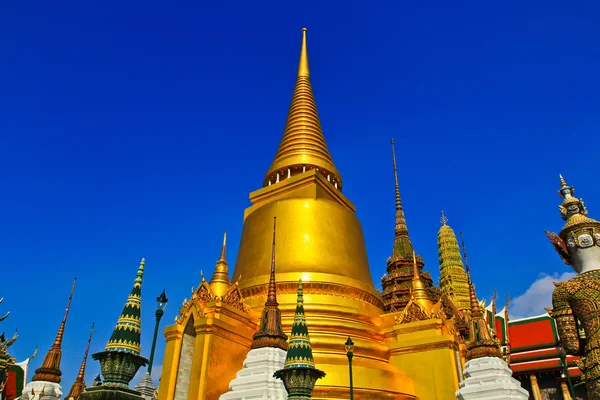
column 79, row 384
column 303, row 146
column 299, row 353
column 403, row 247
column 480, row 342
column 127, row 332
column 453, row 279
column 271, row 333
column 50, row 369
column 299, row 374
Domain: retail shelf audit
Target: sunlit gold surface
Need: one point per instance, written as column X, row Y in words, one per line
column 320, row 240
column 220, row 283
column 428, row 352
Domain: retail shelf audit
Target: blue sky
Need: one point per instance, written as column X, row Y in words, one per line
column 137, row 129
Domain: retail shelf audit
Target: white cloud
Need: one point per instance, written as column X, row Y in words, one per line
column 537, row 296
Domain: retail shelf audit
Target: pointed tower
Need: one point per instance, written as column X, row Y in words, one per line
column 299, row 374
column 419, row 292
column 488, row 376
column 396, row 284
column 267, row 354
column 322, row 242
column 79, row 384
column 50, row 369
column 220, row 283
column 453, row 278
column 303, row 146
column 47, row 378
column 121, row 359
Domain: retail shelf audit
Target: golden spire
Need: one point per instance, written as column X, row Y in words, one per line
column 402, row 244
column 50, row 369
column 480, row 342
column 220, row 283
column 303, row 146
column 79, row 384
column 419, row 292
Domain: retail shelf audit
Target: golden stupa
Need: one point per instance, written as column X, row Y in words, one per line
column 410, row 354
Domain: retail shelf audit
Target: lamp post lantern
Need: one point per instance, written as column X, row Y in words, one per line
column 563, row 360
column 350, row 354
column 161, row 304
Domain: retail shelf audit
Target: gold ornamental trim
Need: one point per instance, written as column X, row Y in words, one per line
column 332, row 289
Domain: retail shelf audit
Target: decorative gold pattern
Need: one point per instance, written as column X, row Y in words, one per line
column 219, row 287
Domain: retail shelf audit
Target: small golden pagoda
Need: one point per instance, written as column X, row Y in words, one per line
column 321, row 244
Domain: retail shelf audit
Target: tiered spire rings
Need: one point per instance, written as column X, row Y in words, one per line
column 303, row 146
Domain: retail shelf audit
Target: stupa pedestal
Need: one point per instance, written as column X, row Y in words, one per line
column 490, row 378
column 38, row 389
column 146, row 387
column 255, row 380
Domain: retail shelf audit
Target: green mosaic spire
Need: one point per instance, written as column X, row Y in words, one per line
column 127, row 332
column 299, row 374
column 299, row 353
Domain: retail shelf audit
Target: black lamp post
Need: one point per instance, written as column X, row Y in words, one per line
column 350, row 354
column 565, row 373
column 161, row 304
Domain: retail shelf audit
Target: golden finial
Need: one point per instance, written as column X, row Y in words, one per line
column 444, row 219
column 302, row 147
column 303, row 65
column 415, row 267
column 220, row 283
column 202, row 275
column 562, row 181
column 224, row 246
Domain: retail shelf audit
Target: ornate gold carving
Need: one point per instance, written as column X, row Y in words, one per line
column 331, row 288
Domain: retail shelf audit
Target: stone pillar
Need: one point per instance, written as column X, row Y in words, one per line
column 565, row 391
column 535, row 389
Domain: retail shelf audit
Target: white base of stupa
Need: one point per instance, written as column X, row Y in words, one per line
column 255, row 380
column 32, row 391
column 146, row 387
column 490, row 378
